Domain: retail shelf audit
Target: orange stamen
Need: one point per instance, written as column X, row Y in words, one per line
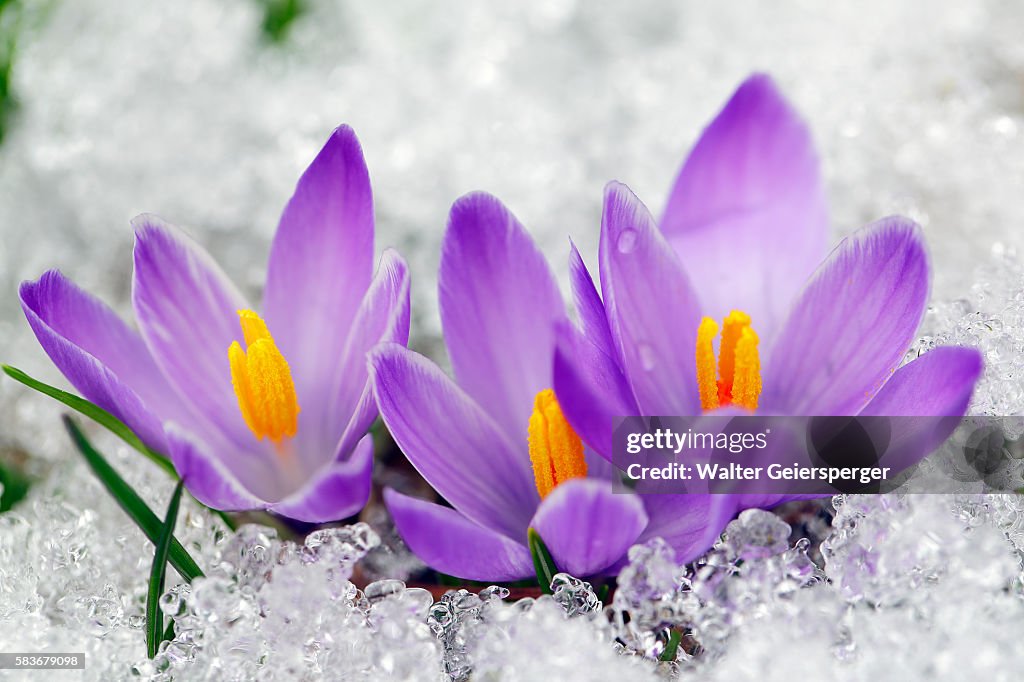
column 556, row 452
column 706, row 383
column 738, row 380
column 263, row 382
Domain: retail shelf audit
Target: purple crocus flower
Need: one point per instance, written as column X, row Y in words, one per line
column 493, row 442
column 254, row 415
column 743, row 238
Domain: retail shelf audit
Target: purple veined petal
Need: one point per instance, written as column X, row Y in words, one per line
column 598, row 467
column 588, row 370
column 747, row 214
column 591, row 389
column 334, row 426
column 452, row 442
column 187, row 311
column 499, row 304
column 690, row 524
column 321, row 263
column 104, row 359
column 593, row 319
column 210, row 481
column 936, row 384
column 652, row 309
column 450, row 543
column 587, row 527
column 934, row 391
column 852, row 324
column 338, row 491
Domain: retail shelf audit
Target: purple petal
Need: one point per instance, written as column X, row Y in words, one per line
column 748, row 199
column 207, row 478
column 593, row 320
column 187, row 312
column 935, row 390
column 450, row 543
column 340, row 490
column 591, row 389
column 105, row 360
column 937, row 384
column 499, row 304
column 382, row 317
column 453, row 443
column 652, row 308
column 588, row 373
column 690, row 524
column 587, row 527
column 850, row 327
column 321, row 263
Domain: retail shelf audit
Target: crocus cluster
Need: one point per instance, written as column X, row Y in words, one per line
column 269, row 411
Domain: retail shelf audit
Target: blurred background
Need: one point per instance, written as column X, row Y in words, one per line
column 206, row 111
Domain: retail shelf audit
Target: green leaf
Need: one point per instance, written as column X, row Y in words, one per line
column 154, row 617
column 224, row 516
column 543, row 564
column 15, row 485
column 94, row 412
column 169, row 631
column 131, row 503
column 278, row 17
column 669, row 654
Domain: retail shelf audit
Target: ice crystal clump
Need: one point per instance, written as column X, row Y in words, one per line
column 990, row 318
column 575, row 596
column 653, row 596
column 277, row 610
column 73, row 567
column 480, row 634
column 456, row 620
column 879, row 554
column 544, row 642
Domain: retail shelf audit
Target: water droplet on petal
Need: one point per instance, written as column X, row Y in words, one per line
column 626, row 241
column 647, row 358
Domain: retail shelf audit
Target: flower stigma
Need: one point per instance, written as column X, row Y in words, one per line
column 556, row 452
column 263, row 382
column 737, row 380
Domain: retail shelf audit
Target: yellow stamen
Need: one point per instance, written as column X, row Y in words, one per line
column 253, row 327
column 746, row 387
column 732, row 328
column 739, row 368
column 555, row 450
column 706, row 364
column 263, row 382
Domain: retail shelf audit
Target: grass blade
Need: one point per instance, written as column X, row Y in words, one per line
column 543, row 564
column 672, row 646
column 169, row 631
column 131, row 503
column 154, row 617
column 94, row 412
